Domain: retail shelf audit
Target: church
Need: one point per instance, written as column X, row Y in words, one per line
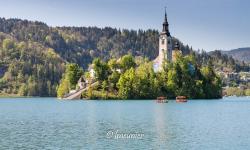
column 166, row 50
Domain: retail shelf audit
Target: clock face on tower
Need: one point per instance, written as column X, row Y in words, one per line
column 163, row 40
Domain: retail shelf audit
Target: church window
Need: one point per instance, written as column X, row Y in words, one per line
column 162, row 41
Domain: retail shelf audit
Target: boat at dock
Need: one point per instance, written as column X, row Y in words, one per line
column 161, row 99
column 181, row 99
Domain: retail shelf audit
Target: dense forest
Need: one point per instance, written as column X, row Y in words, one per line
column 222, row 62
column 242, row 54
column 33, row 56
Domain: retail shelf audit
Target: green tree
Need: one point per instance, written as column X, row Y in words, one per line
column 104, row 89
column 113, row 80
column 144, row 84
column 23, row 90
column 32, row 86
column 212, row 83
column 70, row 78
column 247, row 92
column 101, row 69
column 63, row 87
column 127, row 62
column 113, row 65
column 125, row 84
column 73, row 74
column 8, row 44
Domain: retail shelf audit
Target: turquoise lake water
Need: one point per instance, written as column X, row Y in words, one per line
column 47, row 123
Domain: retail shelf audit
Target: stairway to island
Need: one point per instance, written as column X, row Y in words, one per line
column 77, row 95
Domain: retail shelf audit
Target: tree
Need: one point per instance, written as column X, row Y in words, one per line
column 144, row 84
column 23, row 90
column 104, row 89
column 212, row 83
column 127, row 62
column 63, row 88
column 125, row 84
column 113, row 80
column 73, row 74
column 172, row 85
column 69, row 80
column 247, row 92
column 101, row 69
column 113, row 65
column 8, row 44
column 32, row 86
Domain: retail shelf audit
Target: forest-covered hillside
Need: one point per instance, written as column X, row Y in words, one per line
column 33, row 55
column 242, row 54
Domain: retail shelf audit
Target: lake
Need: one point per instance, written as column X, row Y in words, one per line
column 47, row 123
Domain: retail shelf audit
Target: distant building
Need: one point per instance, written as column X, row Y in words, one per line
column 91, row 71
column 176, row 51
column 245, row 77
column 81, row 83
column 232, row 76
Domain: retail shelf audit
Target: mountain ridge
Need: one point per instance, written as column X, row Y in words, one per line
column 241, row 54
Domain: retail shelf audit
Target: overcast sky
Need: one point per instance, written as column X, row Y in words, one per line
column 202, row 24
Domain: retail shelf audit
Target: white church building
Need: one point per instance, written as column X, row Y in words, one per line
column 166, row 52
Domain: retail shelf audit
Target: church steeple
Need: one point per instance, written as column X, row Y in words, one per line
column 165, row 29
column 176, row 51
column 165, row 46
column 177, row 46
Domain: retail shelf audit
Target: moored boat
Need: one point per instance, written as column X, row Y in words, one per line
column 181, row 99
column 162, row 99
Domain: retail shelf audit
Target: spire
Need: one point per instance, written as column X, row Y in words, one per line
column 165, row 24
column 166, row 19
column 177, row 45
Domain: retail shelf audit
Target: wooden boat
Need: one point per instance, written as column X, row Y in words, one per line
column 181, row 99
column 162, row 99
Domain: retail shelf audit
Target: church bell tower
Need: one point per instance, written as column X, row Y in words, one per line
column 165, row 45
column 165, row 41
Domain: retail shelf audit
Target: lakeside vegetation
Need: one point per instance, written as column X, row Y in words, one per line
column 235, row 91
column 4, row 95
column 128, row 78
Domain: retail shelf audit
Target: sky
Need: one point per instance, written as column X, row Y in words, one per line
column 202, row 24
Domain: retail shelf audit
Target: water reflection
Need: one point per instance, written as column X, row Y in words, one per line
column 91, row 135
column 160, row 123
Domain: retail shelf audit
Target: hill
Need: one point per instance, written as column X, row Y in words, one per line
column 241, row 54
column 224, row 62
column 33, row 55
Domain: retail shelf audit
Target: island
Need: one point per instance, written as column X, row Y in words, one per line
column 172, row 73
column 135, row 78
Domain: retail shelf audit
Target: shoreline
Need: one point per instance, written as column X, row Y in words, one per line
column 17, row 96
column 29, row 97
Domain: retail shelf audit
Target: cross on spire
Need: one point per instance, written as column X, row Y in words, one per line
column 165, row 12
column 165, row 24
